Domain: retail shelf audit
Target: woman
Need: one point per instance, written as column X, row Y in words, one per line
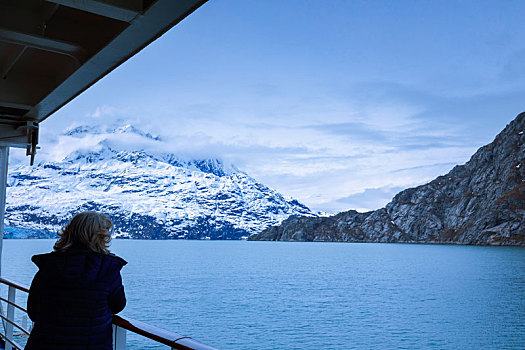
column 77, row 289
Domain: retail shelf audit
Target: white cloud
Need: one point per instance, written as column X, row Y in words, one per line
column 106, row 111
column 323, row 152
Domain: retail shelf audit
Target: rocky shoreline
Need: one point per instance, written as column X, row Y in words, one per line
column 479, row 203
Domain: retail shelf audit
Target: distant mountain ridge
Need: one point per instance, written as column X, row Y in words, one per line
column 83, row 130
column 147, row 194
column 480, row 202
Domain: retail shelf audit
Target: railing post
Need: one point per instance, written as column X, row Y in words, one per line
column 119, row 338
column 4, row 157
column 10, row 316
column 24, row 322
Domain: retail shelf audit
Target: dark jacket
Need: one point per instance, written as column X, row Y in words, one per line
column 72, row 299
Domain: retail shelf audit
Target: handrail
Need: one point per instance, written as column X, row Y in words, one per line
column 15, row 305
column 10, row 315
column 14, row 324
column 14, row 285
column 15, row 345
column 176, row 341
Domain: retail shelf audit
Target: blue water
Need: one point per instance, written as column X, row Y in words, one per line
column 271, row 295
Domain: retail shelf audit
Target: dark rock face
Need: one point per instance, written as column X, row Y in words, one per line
column 481, row 202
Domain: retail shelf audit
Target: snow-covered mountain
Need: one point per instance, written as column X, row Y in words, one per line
column 148, row 194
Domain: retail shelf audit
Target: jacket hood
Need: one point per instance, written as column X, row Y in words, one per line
column 82, row 266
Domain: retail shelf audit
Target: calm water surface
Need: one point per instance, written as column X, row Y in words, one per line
column 271, row 295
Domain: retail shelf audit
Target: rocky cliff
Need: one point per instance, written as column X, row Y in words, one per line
column 480, row 202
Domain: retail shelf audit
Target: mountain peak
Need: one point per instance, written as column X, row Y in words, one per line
column 147, row 192
column 117, row 128
column 130, row 129
column 212, row 166
column 82, row 130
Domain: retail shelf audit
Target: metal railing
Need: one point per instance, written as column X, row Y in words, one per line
column 121, row 325
column 8, row 320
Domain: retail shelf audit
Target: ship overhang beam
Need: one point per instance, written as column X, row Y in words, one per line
column 123, row 10
column 51, row 51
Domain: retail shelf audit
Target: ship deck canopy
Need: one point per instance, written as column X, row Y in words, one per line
column 53, row 50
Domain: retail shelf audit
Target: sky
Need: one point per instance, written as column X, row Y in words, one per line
column 339, row 104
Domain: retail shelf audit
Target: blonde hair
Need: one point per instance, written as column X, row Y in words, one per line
column 87, row 230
